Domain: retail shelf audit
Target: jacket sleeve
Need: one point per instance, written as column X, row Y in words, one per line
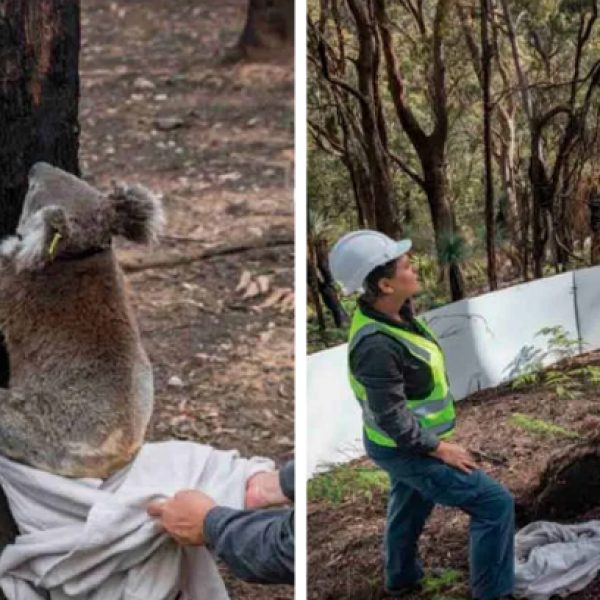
column 286, row 479
column 257, row 545
column 378, row 365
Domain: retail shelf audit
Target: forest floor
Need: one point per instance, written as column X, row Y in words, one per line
column 158, row 108
column 515, row 431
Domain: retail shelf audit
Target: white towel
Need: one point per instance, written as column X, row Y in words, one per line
column 92, row 540
column 554, row 559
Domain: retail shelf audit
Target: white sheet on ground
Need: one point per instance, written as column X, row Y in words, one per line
column 92, row 540
column 556, row 560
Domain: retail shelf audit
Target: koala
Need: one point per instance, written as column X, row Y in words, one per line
column 81, row 386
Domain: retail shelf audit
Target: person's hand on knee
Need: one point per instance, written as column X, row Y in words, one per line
column 455, row 456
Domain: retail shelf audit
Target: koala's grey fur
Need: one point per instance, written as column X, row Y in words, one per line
column 81, row 387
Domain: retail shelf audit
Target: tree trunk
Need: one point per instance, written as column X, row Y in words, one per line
column 594, row 207
column 268, row 32
column 39, row 93
column 39, row 71
column 431, row 148
column 313, row 288
column 525, row 222
column 327, row 285
column 486, row 60
column 386, row 218
column 442, row 218
column 595, row 249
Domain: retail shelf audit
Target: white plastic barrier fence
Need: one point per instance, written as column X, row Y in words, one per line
column 587, row 306
column 487, row 340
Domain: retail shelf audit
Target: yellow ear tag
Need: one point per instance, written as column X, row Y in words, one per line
column 52, row 249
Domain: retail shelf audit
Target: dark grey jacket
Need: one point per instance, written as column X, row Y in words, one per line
column 257, row 545
column 390, row 375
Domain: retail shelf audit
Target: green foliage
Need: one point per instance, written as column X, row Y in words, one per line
column 560, row 345
column 333, row 336
column 589, row 373
column 563, row 384
column 525, row 379
column 452, row 249
column 437, row 585
column 576, row 6
column 433, row 290
column 347, row 482
column 528, row 367
column 540, row 427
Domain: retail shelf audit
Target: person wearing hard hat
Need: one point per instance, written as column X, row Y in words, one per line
column 398, row 375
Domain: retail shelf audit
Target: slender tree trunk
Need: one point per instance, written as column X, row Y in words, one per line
column 594, row 206
column 39, row 95
column 327, row 285
column 504, row 151
column 541, row 194
column 486, row 61
column 313, row 287
column 525, row 223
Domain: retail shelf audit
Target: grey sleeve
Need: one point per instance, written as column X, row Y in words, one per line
column 286, row 480
column 377, row 365
column 257, row 545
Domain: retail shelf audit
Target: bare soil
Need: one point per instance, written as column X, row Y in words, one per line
column 158, row 108
column 345, row 540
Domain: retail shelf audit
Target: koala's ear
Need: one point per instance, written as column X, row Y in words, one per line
column 40, row 236
column 138, row 214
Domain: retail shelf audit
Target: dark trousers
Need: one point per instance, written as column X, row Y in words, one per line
column 418, row 482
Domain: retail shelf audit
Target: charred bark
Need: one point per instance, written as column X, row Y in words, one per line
column 39, row 96
column 268, row 32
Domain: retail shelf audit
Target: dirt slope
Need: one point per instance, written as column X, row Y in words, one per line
column 345, row 539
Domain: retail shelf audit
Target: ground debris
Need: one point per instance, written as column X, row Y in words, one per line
column 345, row 522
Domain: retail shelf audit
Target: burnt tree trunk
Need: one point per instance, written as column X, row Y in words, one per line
column 39, row 95
column 268, row 32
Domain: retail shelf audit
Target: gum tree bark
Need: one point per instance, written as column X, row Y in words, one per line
column 39, row 95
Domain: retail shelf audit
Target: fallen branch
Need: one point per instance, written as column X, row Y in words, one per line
column 176, row 261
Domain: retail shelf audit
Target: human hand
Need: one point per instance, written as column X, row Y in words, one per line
column 455, row 456
column 263, row 489
column 182, row 516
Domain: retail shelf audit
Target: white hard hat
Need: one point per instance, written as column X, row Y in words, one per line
column 357, row 253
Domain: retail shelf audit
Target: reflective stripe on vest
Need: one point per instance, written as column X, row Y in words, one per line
column 434, row 412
